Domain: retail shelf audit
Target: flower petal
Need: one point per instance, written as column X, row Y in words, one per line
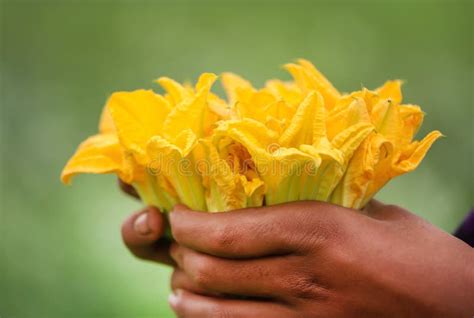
column 138, row 116
column 106, row 124
column 410, row 160
column 412, row 118
column 287, row 92
column 255, row 136
column 391, row 90
column 307, row 125
column 328, row 88
column 191, row 113
column 177, row 164
column 176, row 92
column 97, row 154
column 347, row 114
column 256, row 107
column 309, row 78
column 236, row 87
column 225, row 191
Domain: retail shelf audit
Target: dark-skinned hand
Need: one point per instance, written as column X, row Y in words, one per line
column 308, row 259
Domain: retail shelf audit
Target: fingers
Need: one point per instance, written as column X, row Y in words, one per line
column 141, row 233
column 253, row 232
column 128, row 189
column 190, row 305
column 268, row 277
column 278, row 278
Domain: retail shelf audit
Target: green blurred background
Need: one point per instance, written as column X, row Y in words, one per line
column 61, row 252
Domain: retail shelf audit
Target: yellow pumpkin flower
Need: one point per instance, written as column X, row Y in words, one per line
column 143, row 131
column 374, row 119
column 102, row 153
column 230, row 178
column 389, row 151
column 295, row 140
column 300, row 163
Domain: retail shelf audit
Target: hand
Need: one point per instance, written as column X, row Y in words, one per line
column 142, row 232
column 311, row 259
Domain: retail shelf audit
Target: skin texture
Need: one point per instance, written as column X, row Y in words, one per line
column 307, row 259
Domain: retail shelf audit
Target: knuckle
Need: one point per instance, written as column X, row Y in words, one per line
column 220, row 312
column 330, row 229
column 397, row 210
column 322, row 228
column 307, row 288
column 394, row 210
column 202, row 272
column 224, row 238
column 392, row 207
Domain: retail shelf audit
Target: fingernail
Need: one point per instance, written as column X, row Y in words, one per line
column 141, row 224
column 174, row 298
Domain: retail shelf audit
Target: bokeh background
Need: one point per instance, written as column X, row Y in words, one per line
column 61, row 252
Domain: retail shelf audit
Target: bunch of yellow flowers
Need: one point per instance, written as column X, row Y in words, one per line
column 288, row 141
